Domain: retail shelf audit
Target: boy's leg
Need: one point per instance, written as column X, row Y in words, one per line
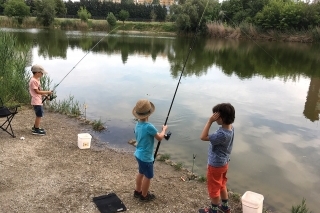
column 145, row 186
column 139, row 182
column 37, row 122
column 38, row 109
column 224, row 193
column 216, row 181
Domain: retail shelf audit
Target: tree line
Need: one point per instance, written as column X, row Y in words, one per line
column 281, row 15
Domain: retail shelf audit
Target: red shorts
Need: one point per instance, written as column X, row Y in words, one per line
column 216, row 180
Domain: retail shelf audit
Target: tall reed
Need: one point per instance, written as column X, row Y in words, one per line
column 14, row 77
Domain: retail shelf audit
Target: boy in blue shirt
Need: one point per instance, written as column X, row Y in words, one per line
column 145, row 133
column 220, row 148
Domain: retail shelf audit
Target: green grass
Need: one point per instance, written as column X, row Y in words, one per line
column 202, row 179
column 164, row 157
column 301, row 208
column 178, row 166
column 92, row 24
column 98, row 125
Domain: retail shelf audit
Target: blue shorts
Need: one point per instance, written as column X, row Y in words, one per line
column 38, row 109
column 145, row 168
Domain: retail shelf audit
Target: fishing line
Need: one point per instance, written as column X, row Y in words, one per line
column 183, row 68
column 51, row 97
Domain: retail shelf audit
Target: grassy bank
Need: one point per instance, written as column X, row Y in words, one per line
column 247, row 31
column 92, row 24
column 215, row 29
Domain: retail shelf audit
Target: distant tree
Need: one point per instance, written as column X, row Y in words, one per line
column 187, row 16
column 45, row 11
column 127, row 2
column 16, row 9
column 153, row 15
column 61, row 9
column 111, row 19
column 123, row 15
column 83, row 14
column 155, row 2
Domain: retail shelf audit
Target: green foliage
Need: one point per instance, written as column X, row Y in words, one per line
column 45, row 11
column 188, row 15
column 14, row 79
column 202, row 179
column 98, row 125
column 153, row 15
column 68, row 107
column 127, row 2
column 178, row 166
column 16, row 9
column 61, row 9
column 164, row 157
column 301, row 208
column 83, row 14
column 112, row 20
column 123, row 15
column 288, row 15
column 234, row 12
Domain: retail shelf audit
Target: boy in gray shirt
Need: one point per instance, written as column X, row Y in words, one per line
column 219, row 150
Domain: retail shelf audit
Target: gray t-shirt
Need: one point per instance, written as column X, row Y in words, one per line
column 220, row 147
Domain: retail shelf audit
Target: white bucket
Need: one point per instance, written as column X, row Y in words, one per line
column 84, row 140
column 252, row 202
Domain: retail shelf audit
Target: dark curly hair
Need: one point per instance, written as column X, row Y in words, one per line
column 226, row 111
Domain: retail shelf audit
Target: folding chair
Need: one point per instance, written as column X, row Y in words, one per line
column 8, row 113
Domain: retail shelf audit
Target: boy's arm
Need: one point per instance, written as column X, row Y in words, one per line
column 41, row 92
column 160, row 136
column 205, row 132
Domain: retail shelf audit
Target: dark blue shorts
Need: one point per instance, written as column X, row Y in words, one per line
column 38, row 109
column 145, row 168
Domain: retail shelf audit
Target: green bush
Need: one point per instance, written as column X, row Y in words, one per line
column 301, row 208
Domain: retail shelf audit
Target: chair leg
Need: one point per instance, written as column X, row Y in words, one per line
column 8, row 122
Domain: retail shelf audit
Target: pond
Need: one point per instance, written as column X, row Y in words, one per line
column 274, row 87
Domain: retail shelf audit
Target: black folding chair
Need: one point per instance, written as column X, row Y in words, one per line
column 9, row 114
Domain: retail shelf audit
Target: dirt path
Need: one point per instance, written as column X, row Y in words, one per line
column 51, row 174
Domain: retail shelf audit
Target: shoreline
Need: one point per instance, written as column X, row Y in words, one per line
column 51, row 174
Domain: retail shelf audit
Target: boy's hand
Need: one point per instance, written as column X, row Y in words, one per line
column 50, row 92
column 164, row 128
column 214, row 117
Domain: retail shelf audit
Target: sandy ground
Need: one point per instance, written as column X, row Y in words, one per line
column 51, row 174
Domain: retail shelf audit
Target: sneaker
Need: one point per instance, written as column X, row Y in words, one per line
column 207, row 210
column 33, row 128
column 38, row 132
column 211, row 209
column 221, row 209
column 136, row 194
column 147, row 198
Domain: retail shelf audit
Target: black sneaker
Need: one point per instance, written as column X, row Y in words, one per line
column 38, row 132
column 136, row 194
column 33, row 128
column 224, row 209
column 147, row 198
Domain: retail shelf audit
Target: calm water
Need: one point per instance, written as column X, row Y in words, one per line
column 275, row 88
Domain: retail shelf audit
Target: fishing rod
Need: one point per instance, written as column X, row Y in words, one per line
column 52, row 96
column 167, row 136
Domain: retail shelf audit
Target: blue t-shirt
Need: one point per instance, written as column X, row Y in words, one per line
column 145, row 133
column 220, row 147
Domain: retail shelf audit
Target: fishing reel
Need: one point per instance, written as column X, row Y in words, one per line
column 51, row 97
column 167, row 136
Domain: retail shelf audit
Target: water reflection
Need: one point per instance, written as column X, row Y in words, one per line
column 273, row 86
column 312, row 105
